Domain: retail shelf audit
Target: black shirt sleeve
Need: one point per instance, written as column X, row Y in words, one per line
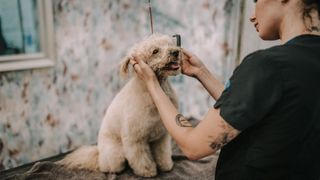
column 251, row 93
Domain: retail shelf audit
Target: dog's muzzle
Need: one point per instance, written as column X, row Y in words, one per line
column 174, row 61
column 174, row 53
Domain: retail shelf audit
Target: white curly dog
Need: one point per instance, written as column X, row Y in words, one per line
column 131, row 129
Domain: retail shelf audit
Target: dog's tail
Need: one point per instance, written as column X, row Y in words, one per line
column 86, row 157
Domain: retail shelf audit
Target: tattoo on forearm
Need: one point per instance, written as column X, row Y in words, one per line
column 228, row 134
column 221, row 141
column 182, row 121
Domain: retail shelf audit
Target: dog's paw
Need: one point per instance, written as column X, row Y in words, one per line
column 112, row 168
column 150, row 171
column 166, row 166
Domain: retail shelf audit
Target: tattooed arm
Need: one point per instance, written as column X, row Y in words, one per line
column 211, row 134
column 206, row 138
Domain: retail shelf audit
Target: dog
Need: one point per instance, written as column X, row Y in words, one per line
column 131, row 129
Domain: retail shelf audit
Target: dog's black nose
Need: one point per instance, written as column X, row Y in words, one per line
column 174, row 53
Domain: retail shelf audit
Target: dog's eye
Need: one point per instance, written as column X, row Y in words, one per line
column 155, row 51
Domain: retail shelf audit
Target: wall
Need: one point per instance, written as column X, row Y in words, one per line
column 44, row 112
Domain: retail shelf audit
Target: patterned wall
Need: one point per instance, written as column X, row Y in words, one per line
column 44, row 112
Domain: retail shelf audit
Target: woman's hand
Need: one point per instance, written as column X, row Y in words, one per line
column 144, row 72
column 191, row 64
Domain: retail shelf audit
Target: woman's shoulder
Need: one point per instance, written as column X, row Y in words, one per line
column 301, row 45
column 256, row 63
column 272, row 55
column 257, row 58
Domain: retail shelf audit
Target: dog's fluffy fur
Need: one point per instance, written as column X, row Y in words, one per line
column 131, row 129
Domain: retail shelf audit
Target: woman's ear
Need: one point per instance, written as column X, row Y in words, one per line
column 124, row 66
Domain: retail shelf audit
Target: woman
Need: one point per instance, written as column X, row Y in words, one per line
column 267, row 119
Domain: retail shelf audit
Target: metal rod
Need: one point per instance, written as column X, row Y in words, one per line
column 150, row 14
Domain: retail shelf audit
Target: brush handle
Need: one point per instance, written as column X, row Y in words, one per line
column 178, row 39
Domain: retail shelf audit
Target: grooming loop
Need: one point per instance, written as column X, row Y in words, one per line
column 177, row 36
column 150, row 14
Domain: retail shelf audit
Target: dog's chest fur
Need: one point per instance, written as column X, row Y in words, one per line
column 133, row 113
column 151, row 126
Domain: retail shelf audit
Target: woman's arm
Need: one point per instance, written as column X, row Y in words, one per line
column 212, row 85
column 192, row 66
column 206, row 138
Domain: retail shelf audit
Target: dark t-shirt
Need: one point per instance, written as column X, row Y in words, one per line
column 273, row 98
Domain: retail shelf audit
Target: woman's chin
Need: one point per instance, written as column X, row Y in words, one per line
column 268, row 36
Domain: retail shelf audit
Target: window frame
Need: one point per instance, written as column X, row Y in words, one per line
column 46, row 56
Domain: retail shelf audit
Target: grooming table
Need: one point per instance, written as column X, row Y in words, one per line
column 46, row 169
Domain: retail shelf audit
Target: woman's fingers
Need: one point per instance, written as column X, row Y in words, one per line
column 135, row 64
column 185, row 61
column 139, row 65
column 135, row 60
column 187, row 53
column 132, row 60
column 187, row 57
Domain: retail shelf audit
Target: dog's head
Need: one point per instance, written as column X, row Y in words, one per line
column 159, row 52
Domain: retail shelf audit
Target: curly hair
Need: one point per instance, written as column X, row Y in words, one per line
column 310, row 5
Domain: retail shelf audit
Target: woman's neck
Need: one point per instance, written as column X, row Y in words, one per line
column 293, row 25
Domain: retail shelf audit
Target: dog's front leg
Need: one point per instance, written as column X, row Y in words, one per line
column 139, row 157
column 162, row 152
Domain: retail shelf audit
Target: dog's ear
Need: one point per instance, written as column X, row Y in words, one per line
column 124, row 66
